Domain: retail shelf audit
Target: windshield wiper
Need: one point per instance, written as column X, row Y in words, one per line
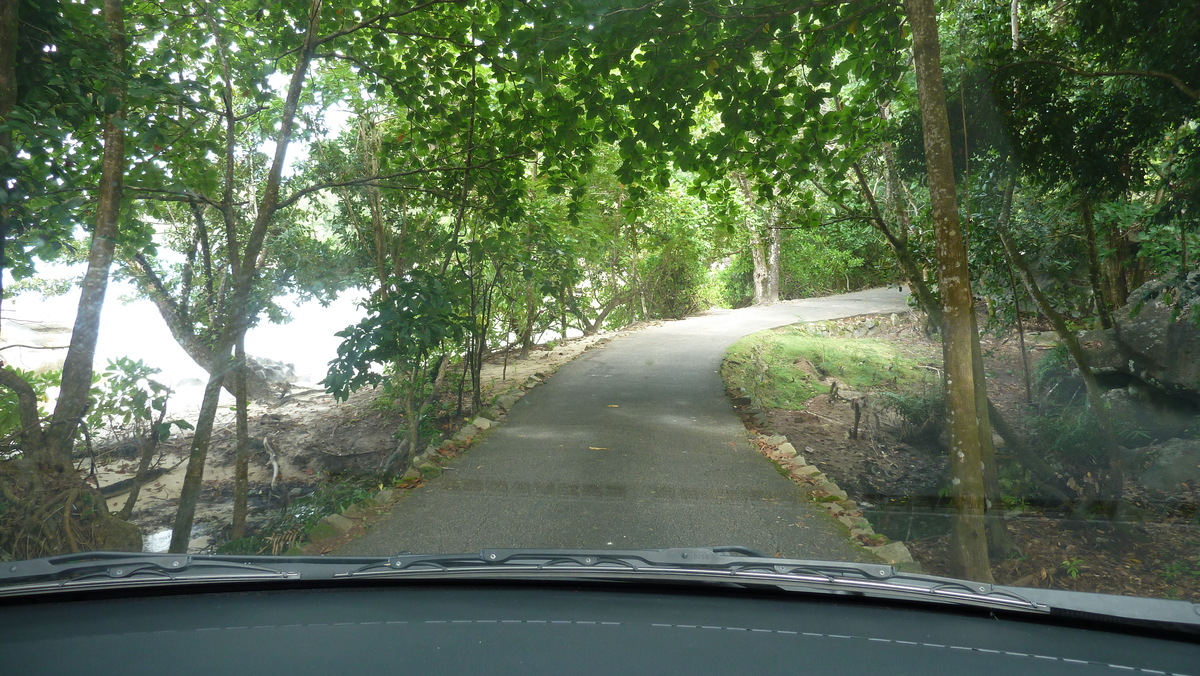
column 692, row 564
column 703, row 565
column 125, row 569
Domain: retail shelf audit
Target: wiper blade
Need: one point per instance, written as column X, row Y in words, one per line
column 716, row 564
column 124, row 569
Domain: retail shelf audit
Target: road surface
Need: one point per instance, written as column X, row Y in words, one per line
column 632, row 445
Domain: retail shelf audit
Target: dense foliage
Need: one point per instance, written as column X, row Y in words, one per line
column 494, row 173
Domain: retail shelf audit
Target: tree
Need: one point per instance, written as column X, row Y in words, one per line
column 408, row 331
column 48, row 476
column 234, row 327
column 967, row 422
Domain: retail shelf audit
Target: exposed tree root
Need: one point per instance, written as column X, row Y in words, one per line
column 66, row 515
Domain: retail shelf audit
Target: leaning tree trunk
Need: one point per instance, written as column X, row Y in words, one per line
column 959, row 339
column 898, row 241
column 1108, row 488
column 240, row 298
column 182, row 330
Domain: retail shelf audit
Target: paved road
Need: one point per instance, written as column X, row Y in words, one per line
column 674, row 468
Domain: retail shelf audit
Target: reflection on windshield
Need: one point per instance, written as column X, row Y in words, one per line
column 838, row 281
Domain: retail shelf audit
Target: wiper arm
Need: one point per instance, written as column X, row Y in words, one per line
column 717, row 564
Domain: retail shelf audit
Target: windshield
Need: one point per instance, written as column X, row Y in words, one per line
column 840, row 281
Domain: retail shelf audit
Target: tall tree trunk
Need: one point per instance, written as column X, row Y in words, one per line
column 10, row 17
column 764, row 255
column 1123, row 270
column 761, row 270
column 242, row 285
column 1099, row 294
column 241, row 471
column 774, row 244
column 1014, row 21
column 77, row 367
column 959, row 340
column 85, row 522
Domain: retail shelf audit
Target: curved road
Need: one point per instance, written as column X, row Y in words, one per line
column 632, row 445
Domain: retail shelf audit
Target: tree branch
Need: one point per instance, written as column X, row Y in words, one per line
column 27, row 407
column 1189, row 92
column 375, row 180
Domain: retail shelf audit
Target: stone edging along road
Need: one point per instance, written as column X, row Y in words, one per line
column 634, row 446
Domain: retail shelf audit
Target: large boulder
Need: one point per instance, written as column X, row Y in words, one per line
column 1156, row 338
column 1174, row 462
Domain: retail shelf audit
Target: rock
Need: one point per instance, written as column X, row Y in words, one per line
column 851, row 522
column 507, row 401
column 1154, row 341
column 862, row 532
column 482, row 423
column 849, row 505
column 413, row 474
column 358, row 510
column 531, row 382
column 787, row 450
column 742, row 401
column 339, row 522
column 429, row 470
column 384, row 496
column 832, row 489
column 116, row 535
column 774, row 440
column 322, row 531
column 271, row 370
column 893, row 553
column 466, row 432
column 1141, row 407
column 1175, row 462
column 804, row 471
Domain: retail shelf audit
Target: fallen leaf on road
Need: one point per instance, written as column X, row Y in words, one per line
column 614, row 406
column 597, row 448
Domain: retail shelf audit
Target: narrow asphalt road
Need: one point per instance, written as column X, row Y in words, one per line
column 632, row 445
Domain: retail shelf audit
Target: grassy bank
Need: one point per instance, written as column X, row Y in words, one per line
column 784, row 368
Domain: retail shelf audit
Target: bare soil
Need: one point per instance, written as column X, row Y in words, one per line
column 885, row 465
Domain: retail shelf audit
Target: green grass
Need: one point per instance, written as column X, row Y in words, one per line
column 784, row 368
